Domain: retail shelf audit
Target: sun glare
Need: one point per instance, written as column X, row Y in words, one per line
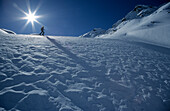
column 31, row 17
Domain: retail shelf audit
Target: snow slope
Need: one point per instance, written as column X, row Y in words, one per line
column 77, row 74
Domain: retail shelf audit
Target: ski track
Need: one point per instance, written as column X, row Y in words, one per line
column 74, row 74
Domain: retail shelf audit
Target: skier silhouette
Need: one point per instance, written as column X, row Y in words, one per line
column 42, row 31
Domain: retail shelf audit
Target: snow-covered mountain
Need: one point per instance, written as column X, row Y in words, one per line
column 144, row 23
column 95, row 32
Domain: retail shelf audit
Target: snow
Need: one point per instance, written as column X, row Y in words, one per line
column 78, row 74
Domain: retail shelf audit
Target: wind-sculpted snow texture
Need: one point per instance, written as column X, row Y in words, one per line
column 78, row 74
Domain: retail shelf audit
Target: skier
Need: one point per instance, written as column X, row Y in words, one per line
column 42, row 31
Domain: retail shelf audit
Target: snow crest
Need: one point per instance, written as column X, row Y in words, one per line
column 95, row 32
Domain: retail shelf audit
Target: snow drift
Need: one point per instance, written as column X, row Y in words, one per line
column 6, row 31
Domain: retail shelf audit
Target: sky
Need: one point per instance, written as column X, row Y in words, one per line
column 67, row 17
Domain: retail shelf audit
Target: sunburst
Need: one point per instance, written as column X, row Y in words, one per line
column 31, row 17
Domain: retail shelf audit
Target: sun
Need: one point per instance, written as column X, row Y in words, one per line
column 31, row 17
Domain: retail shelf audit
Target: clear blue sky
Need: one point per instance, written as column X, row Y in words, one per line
column 68, row 17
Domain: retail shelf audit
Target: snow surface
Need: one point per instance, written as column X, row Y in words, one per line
column 77, row 74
